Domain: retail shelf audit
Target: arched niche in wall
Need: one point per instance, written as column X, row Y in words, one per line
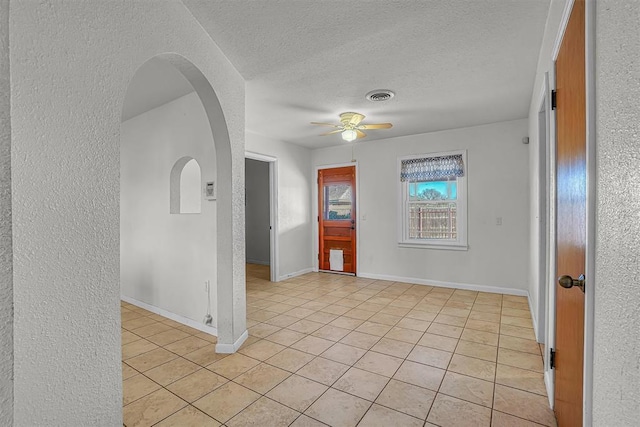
column 185, row 183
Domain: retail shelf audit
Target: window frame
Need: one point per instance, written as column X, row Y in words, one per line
column 460, row 243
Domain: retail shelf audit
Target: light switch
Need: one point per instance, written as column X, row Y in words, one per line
column 499, row 220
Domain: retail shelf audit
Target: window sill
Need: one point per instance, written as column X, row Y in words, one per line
column 445, row 247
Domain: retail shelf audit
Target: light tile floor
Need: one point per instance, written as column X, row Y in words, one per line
column 337, row 350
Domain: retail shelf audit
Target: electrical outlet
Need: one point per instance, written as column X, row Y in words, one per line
column 499, row 220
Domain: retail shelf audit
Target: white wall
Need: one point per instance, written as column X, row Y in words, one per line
column 498, row 186
column 616, row 369
column 550, row 39
column 294, row 202
column 6, row 261
column 165, row 258
column 257, row 211
column 71, row 63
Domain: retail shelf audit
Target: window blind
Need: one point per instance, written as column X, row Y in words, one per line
column 432, row 168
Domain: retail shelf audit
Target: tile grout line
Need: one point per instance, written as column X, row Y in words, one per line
column 404, row 359
column 495, row 374
column 160, row 385
column 354, row 289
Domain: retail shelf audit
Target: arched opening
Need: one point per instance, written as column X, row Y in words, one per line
column 167, row 255
column 206, row 287
column 185, row 187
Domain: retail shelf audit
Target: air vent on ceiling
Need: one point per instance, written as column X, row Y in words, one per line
column 380, row 95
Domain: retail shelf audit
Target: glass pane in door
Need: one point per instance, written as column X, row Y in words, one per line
column 337, row 202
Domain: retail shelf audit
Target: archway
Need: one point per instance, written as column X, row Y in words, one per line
column 229, row 311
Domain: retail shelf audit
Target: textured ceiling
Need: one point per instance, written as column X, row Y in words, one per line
column 452, row 63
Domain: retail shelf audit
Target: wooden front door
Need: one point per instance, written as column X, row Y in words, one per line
column 337, row 219
column 571, row 222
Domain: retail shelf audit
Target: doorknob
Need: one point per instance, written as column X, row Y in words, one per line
column 569, row 282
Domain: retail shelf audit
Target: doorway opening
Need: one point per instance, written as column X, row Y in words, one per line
column 168, row 230
column 261, row 213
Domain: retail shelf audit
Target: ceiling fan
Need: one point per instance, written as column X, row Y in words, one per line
column 350, row 126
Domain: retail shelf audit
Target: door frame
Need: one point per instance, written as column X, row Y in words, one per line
column 590, row 262
column 315, row 212
column 273, row 210
column 589, row 310
column 545, row 198
column 549, row 280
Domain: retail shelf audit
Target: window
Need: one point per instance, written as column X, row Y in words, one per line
column 433, row 200
column 337, row 201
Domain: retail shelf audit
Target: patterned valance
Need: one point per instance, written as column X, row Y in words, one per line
column 432, row 168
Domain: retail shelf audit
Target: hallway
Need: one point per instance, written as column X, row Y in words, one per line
column 336, row 350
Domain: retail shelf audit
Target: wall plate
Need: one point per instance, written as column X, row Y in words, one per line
column 210, row 190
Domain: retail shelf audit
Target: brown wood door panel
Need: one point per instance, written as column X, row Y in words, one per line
column 336, row 216
column 571, row 218
column 337, row 232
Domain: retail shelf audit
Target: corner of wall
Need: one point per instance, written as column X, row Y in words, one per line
column 294, row 186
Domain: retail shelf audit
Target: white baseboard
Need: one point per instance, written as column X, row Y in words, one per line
column 257, row 261
column 441, row 284
column 548, row 382
column 295, row 274
column 534, row 318
column 178, row 318
column 232, row 348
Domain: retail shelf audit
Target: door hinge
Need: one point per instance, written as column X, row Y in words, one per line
column 554, row 100
column 552, row 358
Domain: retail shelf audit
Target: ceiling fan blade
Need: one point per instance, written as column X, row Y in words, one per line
column 332, row 132
column 376, row 126
column 360, row 133
column 356, row 119
column 326, row 124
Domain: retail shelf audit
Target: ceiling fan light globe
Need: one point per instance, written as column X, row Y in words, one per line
column 349, row 135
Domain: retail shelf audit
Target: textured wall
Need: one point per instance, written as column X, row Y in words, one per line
column 616, row 370
column 71, row 63
column 257, row 211
column 6, row 256
column 497, row 186
column 165, row 258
